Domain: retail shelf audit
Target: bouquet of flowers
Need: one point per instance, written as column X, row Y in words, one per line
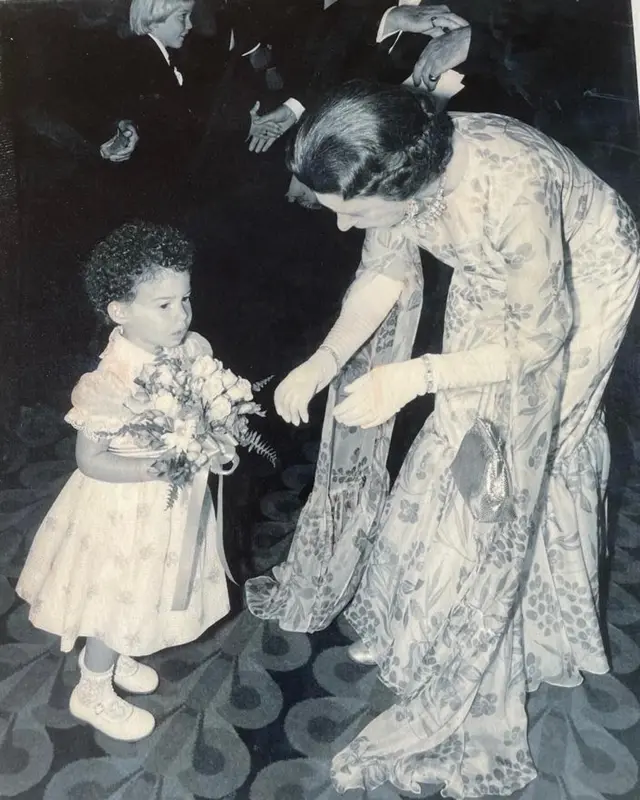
column 197, row 411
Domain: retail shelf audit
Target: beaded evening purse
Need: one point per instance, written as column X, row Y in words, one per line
column 481, row 473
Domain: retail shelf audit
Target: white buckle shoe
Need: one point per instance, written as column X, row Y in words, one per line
column 134, row 677
column 361, row 654
column 114, row 716
column 130, row 675
column 94, row 701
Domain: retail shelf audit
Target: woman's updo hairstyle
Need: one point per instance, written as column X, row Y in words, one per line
column 369, row 139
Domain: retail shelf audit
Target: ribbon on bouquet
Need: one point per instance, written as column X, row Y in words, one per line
column 189, row 552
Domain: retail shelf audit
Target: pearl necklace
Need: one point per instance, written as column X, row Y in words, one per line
column 422, row 214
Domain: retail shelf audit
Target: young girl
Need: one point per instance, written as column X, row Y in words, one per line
column 104, row 562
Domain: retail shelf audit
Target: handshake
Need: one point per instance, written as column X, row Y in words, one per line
column 449, row 47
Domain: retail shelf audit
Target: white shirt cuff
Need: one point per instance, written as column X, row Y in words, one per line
column 297, row 107
column 253, row 50
column 232, row 44
column 381, row 36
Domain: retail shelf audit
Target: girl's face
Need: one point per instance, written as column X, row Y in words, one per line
column 173, row 30
column 160, row 313
column 364, row 212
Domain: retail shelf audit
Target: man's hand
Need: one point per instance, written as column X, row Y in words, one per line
column 427, row 19
column 444, row 52
column 162, row 468
column 121, row 146
column 266, row 128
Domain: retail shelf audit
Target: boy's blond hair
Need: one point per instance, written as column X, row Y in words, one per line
column 144, row 14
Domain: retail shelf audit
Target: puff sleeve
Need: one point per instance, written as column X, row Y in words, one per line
column 99, row 405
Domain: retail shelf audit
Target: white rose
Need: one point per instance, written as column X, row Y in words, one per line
column 219, row 409
column 228, row 378
column 164, row 376
column 167, row 404
column 212, row 388
column 240, row 391
column 203, row 366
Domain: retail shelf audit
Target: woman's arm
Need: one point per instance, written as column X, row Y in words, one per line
column 387, row 256
column 368, row 303
column 95, row 461
column 538, row 319
column 365, row 308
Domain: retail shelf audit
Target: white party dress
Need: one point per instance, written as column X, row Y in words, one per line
column 105, row 559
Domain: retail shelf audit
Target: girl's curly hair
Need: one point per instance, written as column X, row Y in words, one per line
column 129, row 255
column 370, row 139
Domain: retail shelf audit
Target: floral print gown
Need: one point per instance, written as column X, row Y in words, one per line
column 104, row 561
column 465, row 617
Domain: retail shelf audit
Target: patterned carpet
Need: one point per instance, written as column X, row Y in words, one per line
column 251, row 713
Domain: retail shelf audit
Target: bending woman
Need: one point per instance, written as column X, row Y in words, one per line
column 464, row 598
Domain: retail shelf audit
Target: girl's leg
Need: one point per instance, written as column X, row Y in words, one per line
column 98, row 657
column 128, row 674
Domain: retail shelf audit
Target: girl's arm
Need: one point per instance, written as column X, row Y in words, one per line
column 95, row 461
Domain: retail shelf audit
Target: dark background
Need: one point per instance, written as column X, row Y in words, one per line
column 268, row 280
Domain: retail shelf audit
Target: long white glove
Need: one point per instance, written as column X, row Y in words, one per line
column 469, row 368
column 367, row 304
column 377, row 396
column 294, row 393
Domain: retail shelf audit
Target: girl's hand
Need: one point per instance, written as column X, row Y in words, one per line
column 161, row 468
column 96, row 461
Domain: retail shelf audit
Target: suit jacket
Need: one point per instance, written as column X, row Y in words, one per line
column 166, row 115
column 94, row 77
column 339, row 44
column 315, row 49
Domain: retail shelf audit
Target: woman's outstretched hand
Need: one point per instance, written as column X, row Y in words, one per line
column 293, row 395
column 377, row 396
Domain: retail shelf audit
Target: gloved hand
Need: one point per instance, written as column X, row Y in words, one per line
column 377, row 396
column 293, row 395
